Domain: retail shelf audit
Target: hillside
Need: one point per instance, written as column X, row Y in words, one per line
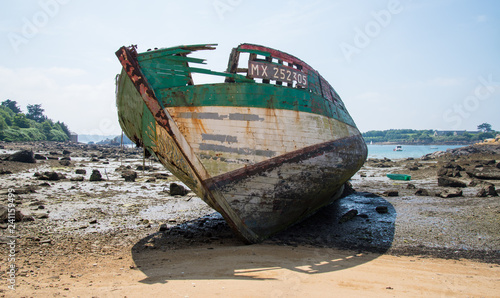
column 425, row 137
column 16, row 126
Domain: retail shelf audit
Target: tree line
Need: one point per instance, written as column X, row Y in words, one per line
column 429, row 136
column 31, row 126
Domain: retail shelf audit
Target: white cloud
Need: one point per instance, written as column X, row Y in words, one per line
column 85, row 108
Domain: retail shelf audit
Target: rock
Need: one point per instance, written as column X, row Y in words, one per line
column 348, row 216
column 163, row 227
column 450, row 182
column 66, row 152
column 482, row 193
column 489, row 162
column 161, row 176
column 391, row 193
column 22, row 156
column 42, row 216
column 123, row 168
column 81, row 172
column 348, row 189
column 40, row 157
column 498, row 165
column 422, row 192
column 449, row 172
column 410, row 186
column 145, row 168
column 176, row 189
column 96, row 176
column 78, row 178
column 51, row 176
column 489, row 173
column 4, row 213
column 26, row 190
column 5, row 172
column 442, row 172
column 65, row 163
column 19, row 216
column 450, row 193
column 129, row 176
column 151, row 179
column 362, row 175
column 381, row 209
column 491, row 191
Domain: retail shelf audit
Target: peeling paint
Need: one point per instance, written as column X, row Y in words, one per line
column 194, row 115
column 219, row 138
column 242, row 151
column 245, row 117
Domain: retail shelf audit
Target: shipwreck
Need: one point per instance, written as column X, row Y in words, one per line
column 266, row 147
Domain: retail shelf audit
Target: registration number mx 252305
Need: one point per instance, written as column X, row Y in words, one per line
column 276, row 72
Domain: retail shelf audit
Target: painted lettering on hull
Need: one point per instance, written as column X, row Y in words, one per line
column 276, row 72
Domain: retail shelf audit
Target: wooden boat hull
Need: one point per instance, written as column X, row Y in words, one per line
column 264, row 156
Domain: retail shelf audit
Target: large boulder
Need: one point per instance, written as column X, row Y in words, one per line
column 450, row 193
column 95, row 176
column 487, row 173
column 25, row 156
column 50, row 176
column 422, row 192
column 488, row 190
column 176, row 189
column 450, row 182
column 129, row 176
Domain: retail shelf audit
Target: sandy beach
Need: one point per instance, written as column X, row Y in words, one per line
column 118, row 238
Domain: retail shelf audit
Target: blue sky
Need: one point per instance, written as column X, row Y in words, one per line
column 395, row 63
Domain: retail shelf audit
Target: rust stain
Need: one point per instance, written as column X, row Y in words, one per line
column 126, row 57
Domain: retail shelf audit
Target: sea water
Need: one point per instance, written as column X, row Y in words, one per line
column 415, row 151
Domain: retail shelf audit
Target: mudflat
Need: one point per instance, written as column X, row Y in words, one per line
column 131, row 232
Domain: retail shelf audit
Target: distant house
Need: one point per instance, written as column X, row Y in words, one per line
column 73, row 137
column 438, row 133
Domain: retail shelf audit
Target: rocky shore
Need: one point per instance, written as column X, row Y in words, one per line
column 86, row 202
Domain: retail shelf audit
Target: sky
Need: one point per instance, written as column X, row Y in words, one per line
column 395, row 63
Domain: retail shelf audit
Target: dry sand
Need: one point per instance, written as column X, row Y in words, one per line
column 259, row 271
column 103, row 239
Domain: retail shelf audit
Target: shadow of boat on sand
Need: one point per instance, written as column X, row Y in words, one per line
column 328, row 241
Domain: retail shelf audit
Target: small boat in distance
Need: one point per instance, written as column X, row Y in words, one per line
column 399, row 177
column 398, row 148
column 266, row 147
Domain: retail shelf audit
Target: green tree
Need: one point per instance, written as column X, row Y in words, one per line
column 64, row 128
column 485, row 127
column 21, row 121
column 35, row 112
column 12, row 105
column 47, row 126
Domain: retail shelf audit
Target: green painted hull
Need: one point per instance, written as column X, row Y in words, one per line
column 264, row 155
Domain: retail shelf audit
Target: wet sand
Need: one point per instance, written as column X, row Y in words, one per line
column 117, row 238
